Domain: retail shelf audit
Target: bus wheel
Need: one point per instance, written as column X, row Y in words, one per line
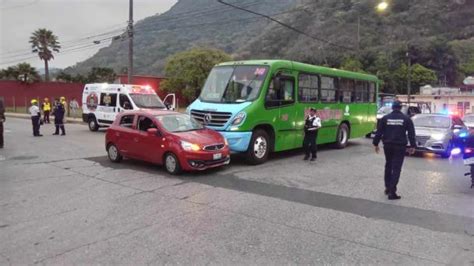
column 93, row 125
column 259, row 147
column 342, row 136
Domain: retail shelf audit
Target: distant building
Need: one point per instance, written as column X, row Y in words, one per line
column 445, row 100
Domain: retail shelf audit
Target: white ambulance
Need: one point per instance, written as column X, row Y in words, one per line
column 102, row 102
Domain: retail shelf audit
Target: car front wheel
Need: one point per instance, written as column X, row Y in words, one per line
column 172, row 165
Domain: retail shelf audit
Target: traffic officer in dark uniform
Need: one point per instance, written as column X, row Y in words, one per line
column 58, row 113
column 392, row 130
column 311, row 126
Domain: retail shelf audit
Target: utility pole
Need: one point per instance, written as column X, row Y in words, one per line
column 130, row 43
column 358, row 35
column 409, row 78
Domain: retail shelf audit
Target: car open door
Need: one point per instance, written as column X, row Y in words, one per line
column 170, row 102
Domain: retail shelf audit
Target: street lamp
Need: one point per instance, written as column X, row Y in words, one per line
column 382, row 6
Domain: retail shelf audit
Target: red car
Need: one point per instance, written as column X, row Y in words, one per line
column 172, row 139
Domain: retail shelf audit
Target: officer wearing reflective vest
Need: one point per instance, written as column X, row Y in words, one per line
column 46, row 110
column 311, row 126
column 392, row 130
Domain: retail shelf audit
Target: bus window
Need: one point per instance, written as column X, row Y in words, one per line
column 361, row 92
column 308, row 88
column 372, row 92
column 346, row 91
column 328, row 90
column 280, row 96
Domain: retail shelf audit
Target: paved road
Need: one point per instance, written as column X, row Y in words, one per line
column 62, row 202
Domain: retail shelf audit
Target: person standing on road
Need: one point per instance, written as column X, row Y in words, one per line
column 74, row 105
column 58, row 113
column 46, row 106
column 392, row 130
column 2, row 120
column 312, row 124
column 35, row 114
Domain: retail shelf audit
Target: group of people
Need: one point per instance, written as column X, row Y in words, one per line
column 58, row 110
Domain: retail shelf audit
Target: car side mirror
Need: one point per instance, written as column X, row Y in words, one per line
column 154, row 132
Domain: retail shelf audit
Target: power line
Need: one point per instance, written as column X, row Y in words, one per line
column 285, row 25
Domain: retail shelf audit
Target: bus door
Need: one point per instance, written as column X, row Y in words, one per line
column 282, row 96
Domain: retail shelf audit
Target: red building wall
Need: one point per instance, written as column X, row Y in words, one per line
column 19, row 94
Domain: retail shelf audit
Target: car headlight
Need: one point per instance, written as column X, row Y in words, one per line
column 437, row 136
column 187, row 146
column 238, row 119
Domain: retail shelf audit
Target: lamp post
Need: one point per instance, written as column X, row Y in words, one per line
column 380, row 8
column 130, row 43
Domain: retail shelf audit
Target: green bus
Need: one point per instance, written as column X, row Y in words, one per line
column 260, row 106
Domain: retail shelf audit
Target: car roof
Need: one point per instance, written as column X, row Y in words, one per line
column 152, row 112
column 436, row 114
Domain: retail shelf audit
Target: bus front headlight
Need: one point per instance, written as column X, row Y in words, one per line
column 239, row 119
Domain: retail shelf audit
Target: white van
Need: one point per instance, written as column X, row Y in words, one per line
column 102, row 102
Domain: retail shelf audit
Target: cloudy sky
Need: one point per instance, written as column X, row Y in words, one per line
column 77, row 23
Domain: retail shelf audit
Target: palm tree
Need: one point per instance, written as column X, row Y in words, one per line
column 44, row 42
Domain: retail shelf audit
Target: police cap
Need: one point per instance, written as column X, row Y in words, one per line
column 397, row 105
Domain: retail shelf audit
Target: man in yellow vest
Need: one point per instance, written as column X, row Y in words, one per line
column 46, row 110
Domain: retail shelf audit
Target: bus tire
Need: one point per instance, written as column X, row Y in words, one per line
column 259, row 147
column 342, row 137
column 93, row 125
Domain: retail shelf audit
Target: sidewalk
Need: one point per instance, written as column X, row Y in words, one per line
column 27, row 116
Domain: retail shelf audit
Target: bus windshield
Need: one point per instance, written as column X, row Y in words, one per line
column 147, row 101
column 233, row 84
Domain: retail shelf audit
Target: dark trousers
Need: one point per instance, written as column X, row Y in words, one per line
column 1, row 135
column 58, row 123
column 309, row 143
column 394, row 156
column 46, row 117
column 35, row 121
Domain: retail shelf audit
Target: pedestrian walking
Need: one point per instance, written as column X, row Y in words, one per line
column 46, row 106
column 2, row 120
column 58, row 113
column 74, row 105
column 35, row 114
column 312, row 124
column 392, row 130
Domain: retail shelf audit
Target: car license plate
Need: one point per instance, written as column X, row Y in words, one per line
column 217, row 156
column 469, row 161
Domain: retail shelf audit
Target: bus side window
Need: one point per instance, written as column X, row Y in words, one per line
column 280, row 94
column 328, row 89
column 308, row 88
column 346, row 90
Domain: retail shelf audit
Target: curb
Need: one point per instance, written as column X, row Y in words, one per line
column 25, row 116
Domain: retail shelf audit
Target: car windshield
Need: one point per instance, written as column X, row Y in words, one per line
column 233, row 84
column 469, row 119
column 432, row 121
column 384, row 110
column 149, row 101
column 179, row 123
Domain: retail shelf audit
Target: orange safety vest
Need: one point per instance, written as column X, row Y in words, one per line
column 47, row 106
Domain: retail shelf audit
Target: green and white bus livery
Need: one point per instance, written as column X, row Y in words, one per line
column 259, row 106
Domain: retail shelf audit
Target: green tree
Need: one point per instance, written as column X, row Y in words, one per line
column 101, row 74
column 22, row 72
column 420, row 76
column 44, row 43
column 187, row 71
column 352, row 64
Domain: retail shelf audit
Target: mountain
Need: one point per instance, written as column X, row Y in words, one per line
column 438, row 33
column 189, row 23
